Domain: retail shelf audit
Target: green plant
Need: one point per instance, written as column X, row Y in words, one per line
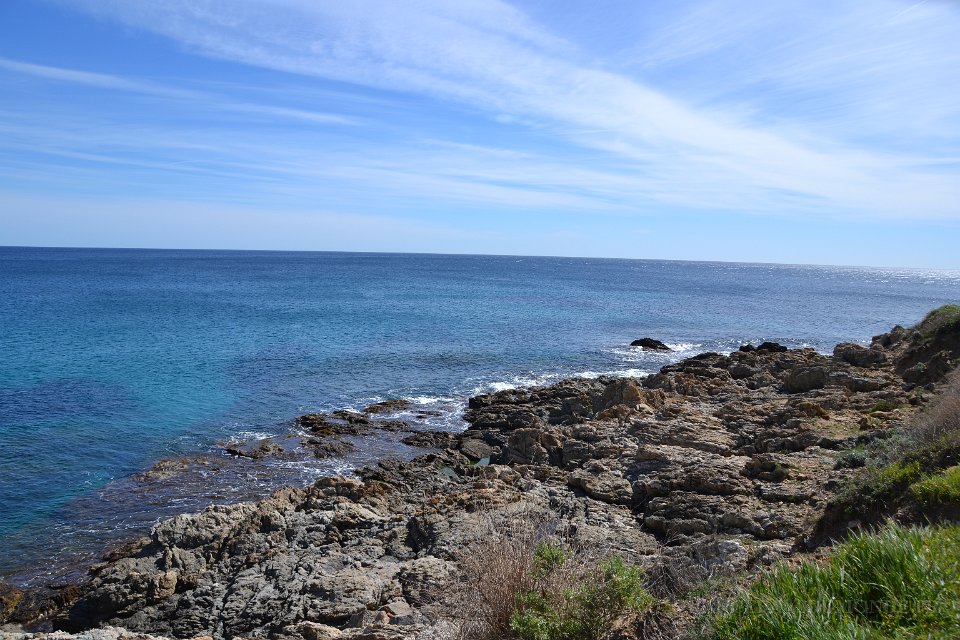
column 548, row 557
column 884, row 405
column 941, row 319
column 586, row 610
column 852, row 459
column 881, row 485
column 897, row 583
column 940, row 490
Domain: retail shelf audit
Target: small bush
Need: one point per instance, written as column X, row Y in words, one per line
column 940, row 490
column 944, row 318
column 898, row 583
column 585, row 610
column 885, row 405
column 852, row 459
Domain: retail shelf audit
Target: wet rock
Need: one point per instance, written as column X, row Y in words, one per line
column 387, row 406
column 650, row 344
column 429, row 439
column 772, row 347
column 257, row 450
column 329, row 447
column 10, row 597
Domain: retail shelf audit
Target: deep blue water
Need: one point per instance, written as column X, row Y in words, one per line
column 113, row 359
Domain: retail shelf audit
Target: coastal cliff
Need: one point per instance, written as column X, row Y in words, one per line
column 717, row 466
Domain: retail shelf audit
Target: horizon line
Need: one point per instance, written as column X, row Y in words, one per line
column 484, row 255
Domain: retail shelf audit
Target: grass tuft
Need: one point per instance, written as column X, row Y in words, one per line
column 941, row 490
column 897, row 583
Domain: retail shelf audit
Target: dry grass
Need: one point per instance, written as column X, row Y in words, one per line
column 939, row 426
column 495, row 570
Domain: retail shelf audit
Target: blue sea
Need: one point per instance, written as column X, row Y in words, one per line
column 111, row 360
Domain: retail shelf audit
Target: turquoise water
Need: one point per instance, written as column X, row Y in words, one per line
column 113, row 359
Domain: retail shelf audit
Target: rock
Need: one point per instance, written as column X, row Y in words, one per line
column 894, row 337
column 934, row 370
column 739, row 371
column 328, row 447
column 805, row 379
column 858, row 356
column 475, row 449
column 256, row 450
column 650, row 344
column 605, row 487
column 622, row 392
column 317, row 631
column 429, row 439
column 399, row 612
column 524, row 447
column 387, row 406
column 10, row 597
column 772, row 347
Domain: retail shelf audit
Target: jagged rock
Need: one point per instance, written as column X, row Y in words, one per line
column 859, row 356
column 429, row 439
column 607, row 487
column 387, row 406
column 894, row 337
column 805, row 379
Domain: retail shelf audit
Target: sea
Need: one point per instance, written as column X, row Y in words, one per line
column 112, row 360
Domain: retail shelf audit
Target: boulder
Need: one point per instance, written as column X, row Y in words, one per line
column 772, row 347
column 650, row 344
column 857, row 355
column 803, row 379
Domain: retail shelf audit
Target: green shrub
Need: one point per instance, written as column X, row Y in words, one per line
column 852, row 459
column 548, row 557
column 881, row 485
column 940, row 490
column 944, row 318
column 898, row 583
column 584, row 611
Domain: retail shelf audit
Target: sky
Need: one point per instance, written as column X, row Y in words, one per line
column 795, row 131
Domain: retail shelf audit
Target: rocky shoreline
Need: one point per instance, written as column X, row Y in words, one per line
column 717, row 465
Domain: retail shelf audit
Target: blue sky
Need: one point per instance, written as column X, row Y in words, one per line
column 800, row 131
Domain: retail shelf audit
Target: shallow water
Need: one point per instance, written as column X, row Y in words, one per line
column 113, row 359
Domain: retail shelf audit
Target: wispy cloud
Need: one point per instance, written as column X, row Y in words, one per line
column 736, row 150
column 200, row 99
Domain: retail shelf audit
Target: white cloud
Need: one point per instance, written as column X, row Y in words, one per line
column 489, row 54
column 200, row 99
